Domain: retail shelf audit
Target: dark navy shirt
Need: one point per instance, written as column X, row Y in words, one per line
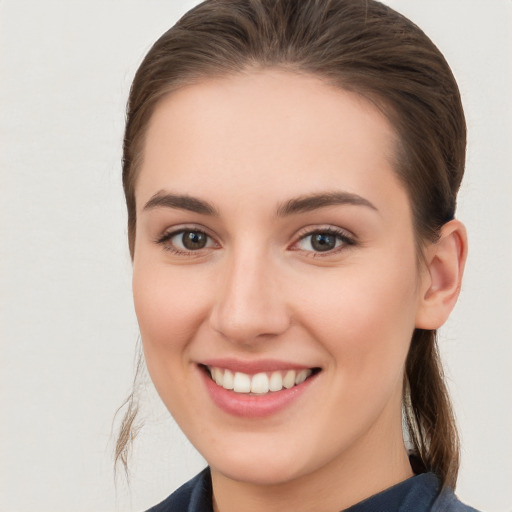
column 419, row 493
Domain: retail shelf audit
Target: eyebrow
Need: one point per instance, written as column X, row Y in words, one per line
column 297, row 205
column 182, row 202
column 315, row 201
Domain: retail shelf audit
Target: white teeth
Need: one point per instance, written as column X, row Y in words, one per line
column 217, row 376
column 242, row 383
column 302, row 376
column 260, row 383
column 276, row 382
column 289, row 379
column 228, row 381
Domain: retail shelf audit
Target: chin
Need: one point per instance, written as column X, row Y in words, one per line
column 268, row 473
column 259, row 467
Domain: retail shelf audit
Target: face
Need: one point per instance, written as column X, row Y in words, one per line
column 274, row 244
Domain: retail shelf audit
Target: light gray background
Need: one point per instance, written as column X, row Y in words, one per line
column 68, row 330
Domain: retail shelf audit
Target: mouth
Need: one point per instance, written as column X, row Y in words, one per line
column 261, row 383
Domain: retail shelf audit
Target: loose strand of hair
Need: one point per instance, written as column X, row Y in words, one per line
column 130, row 427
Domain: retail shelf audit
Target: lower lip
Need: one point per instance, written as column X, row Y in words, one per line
column 254, row 406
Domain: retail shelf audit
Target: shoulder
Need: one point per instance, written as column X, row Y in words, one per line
column 193, row 496
column 447, row 501
column 423, row 493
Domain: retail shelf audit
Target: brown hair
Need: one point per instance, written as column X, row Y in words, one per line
column 361, row 46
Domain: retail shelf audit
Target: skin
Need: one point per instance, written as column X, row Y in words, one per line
column 248, row 145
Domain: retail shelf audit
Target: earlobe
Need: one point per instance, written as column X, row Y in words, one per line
column 442, row 277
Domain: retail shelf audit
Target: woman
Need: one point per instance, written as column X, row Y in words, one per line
column 291, row 171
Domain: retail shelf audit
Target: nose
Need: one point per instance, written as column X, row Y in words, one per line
column 250, row 305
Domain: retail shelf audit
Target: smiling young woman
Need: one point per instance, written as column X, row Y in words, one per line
column 290, row 171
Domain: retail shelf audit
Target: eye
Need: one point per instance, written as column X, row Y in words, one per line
column 186, row 240
column 322, row 241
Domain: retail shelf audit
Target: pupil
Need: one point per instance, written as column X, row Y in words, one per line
column 323, row 242
column 194, row 240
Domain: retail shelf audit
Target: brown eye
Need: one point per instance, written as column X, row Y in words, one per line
column 186, row 241
column 191, row 240
column 324, row 241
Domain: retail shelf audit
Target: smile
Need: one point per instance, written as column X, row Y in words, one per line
column 256, row 389
column 259, row 383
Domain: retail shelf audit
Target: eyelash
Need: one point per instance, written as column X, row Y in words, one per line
column 345, row 238
column 167, row 237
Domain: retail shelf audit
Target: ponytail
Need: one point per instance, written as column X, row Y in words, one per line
column 428, row 410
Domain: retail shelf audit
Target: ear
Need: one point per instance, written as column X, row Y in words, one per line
column 442, row 276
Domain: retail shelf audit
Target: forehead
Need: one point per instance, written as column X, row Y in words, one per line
column 266, row 131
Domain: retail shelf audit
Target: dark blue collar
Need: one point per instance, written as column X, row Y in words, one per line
column 420, row 493
column 416, row 494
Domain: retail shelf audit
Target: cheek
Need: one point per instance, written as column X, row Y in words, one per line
column 365, row 316
column 170, row 309
column 366, row 326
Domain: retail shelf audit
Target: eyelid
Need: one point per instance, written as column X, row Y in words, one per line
column 171, row 232
column 347, row 237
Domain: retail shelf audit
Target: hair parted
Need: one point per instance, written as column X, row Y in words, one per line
column 360, row 46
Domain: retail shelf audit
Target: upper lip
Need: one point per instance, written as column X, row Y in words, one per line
column 253, row 367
